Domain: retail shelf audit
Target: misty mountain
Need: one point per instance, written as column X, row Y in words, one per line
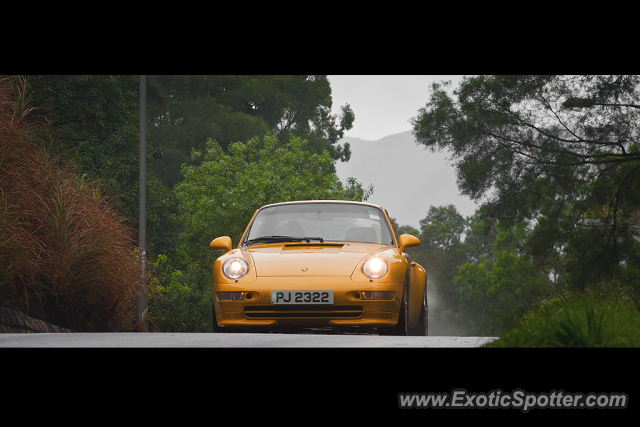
column 407, row 179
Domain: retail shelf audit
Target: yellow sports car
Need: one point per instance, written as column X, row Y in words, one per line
column 316, row 264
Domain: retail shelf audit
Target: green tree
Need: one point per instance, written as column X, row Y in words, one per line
column 95, row 119
column 498, row 289
column 219, row 196
column 441, row 252
column 555, row 150
column 187, row 110
column 403, row 229
column 479, row 273
column 480, row 235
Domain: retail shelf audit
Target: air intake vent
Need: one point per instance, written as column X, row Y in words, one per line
column 305, row 311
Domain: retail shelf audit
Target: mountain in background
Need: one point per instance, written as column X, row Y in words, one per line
column 407, row 179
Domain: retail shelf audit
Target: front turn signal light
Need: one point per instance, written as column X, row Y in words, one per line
column 230, row 296
column 378, row 295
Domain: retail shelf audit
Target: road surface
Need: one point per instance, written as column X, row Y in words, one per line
column 229, row 340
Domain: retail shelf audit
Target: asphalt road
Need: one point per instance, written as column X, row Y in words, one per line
column 229, row 340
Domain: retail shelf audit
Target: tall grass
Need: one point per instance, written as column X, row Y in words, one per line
column 64, row 252
column 577, row 320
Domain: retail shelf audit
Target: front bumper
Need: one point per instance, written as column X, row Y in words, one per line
column 347, row 309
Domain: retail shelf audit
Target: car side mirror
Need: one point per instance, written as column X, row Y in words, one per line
column 408, row 241
column 221, row 244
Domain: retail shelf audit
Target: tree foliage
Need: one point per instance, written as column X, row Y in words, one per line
column 95, row 123
column 187, row 110
column 219, row 196
column 499, row 289
column 479, row 274
column 558, row 151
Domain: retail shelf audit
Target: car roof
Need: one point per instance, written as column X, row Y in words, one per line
column 325, row 201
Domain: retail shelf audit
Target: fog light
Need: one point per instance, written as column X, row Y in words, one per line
column 378, row 295
column 230, row 296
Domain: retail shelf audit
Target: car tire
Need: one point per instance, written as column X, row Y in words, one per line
column 422, row 327
column 402, row 328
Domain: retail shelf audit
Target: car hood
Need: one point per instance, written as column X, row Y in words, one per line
column 309, row 260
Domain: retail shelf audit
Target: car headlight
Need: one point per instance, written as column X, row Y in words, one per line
column 375, row 267
column 235, row 268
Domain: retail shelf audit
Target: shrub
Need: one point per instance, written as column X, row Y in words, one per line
column 577, row 320
column 177, row 307
column 64, row 252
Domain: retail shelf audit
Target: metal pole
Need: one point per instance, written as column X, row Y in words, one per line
column 142, row 218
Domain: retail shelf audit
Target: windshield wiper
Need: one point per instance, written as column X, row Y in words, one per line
column 272, row 239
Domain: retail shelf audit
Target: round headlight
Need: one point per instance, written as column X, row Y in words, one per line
column 375, row 267
column 235, row 268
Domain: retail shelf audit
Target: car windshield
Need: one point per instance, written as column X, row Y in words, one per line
column 328, row 222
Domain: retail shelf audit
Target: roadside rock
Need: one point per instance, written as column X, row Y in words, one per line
column 14, row 321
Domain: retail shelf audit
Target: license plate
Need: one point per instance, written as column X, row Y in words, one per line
column 301, row 297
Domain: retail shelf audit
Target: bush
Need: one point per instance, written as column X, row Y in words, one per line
column 177, row 307
column 577, row 320
column 65, row 254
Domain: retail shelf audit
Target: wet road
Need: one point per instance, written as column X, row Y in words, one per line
column 231, row 340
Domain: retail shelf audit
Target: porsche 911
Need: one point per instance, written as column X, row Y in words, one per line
column 317, row 264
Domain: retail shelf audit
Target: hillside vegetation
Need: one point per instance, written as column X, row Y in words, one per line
column 65, row 254
column 553, row 252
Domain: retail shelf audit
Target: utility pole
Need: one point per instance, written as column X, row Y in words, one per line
column 142, row 302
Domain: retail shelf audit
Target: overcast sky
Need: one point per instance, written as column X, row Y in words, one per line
column 383, row 105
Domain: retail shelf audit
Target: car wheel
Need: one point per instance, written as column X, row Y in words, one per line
column 422, row 327
column 402, row 328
